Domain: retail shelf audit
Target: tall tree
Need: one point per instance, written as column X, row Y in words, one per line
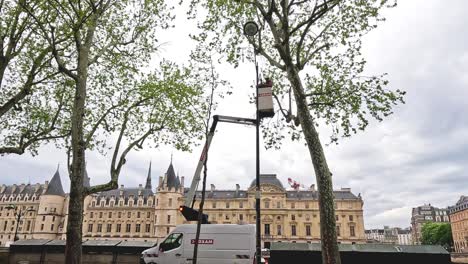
column 437, row 234
column 103, row 49
column 313, row 48
column 32, row 97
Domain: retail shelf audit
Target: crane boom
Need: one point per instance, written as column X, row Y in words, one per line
column 196, row 177
column 187, row 210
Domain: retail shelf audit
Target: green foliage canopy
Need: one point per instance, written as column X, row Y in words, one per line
column 322, row 40
column 433, row 233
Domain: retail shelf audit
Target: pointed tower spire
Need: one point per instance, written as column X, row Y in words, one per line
column 148, row 178
column 55, row 185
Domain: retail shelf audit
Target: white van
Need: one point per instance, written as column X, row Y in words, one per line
column 218, row 244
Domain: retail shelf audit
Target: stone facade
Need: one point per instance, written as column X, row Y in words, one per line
column 459, row 224
column 425, row 214
column 389, row 235
column 141, row 214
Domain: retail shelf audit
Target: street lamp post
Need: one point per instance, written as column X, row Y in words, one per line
column 18, row 216
column 250, row 30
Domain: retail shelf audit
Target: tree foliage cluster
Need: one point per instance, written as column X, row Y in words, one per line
column 433, row 233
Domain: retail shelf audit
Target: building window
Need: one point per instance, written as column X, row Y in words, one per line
column 102, row 203
column 148, row 214
column 170, row 201
column 119, row 228
column 267, row 229
column 241, row 205
column 130, row 203
column 307, row 206
column 137, row 228
column 52, row 227
column 337, row 218
column 100, row 214
column 293, row 205
column 91, row 214
column 351, row 231
column 227, row 204
column 226, row 217
column 99, row 228
column 308, row 233
column 293, row 217
column 93, row 204
column 138, row 214
column 338, row 233
column 127, row 229
column 241, row 217
column 157, row 202
column 109, row 228
column 5, row 226
column 112, row 204
column 148, row 228
column 90, row 228
column 43, row 217
column 278, row 230
column 140, row 203
column 53, row 218
column 119, row 214
column 28, row 225
column 129, row 215
column 267, row 204
column 168, row 219
column 110, row 215
column 167, row 230
column 351, row 218
column 293, row 230
column 42, row 227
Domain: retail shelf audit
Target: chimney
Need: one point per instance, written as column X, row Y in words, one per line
column 140, row 188
column 237, row 189
column 182, row 181
column 160, row 181
column 312, row 188
column 3, row 188
column 346, row 189
column 121, row 189
column 213, row 187
column 36, row 188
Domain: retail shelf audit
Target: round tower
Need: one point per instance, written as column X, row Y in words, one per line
column 169, row 196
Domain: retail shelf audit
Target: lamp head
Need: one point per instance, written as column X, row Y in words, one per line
column 250, row 29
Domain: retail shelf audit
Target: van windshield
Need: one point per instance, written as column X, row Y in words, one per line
column 172, row 241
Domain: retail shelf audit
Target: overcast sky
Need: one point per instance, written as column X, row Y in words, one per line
column 416, row 156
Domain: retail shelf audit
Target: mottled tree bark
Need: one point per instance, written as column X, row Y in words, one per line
column 330, row 252
column 77, row 192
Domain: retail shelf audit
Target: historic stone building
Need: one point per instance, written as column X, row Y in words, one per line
column 389, row 235
column 459, row 223
column 144, row 213
column 424, row 214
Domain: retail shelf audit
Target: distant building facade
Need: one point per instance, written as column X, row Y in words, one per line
column 459, row 224
column 143, row 214
column 425, row 214
column 389, row 235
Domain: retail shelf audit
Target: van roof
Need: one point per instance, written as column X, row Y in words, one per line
column 216, row 228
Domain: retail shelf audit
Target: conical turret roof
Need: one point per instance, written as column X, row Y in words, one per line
column 172, row 181
column 55, row 185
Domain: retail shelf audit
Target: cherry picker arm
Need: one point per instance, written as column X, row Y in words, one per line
column 187, row 210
